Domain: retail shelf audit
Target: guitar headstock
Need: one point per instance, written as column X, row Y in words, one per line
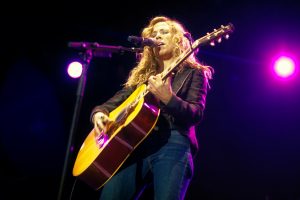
column 215, row 36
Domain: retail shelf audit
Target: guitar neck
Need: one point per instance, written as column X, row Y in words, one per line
column 172, row 67
column 217, row 34
column 209, row 38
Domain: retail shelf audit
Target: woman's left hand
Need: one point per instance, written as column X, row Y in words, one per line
column 160, row 89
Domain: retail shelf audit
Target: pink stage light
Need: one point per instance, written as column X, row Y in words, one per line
column 75, row 69
column 284, row 67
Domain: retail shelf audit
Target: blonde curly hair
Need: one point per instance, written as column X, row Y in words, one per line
column 148, row 64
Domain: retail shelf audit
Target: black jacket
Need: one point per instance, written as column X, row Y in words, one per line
column 185, row 109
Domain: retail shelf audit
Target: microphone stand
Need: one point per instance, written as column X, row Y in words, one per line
column 91, row 49
column 87, row 56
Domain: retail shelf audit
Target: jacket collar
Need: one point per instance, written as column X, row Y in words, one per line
column 180, row 78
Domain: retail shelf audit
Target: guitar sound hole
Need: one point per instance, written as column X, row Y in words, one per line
column 101, row 139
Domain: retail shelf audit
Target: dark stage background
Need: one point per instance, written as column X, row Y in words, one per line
column 249, row 138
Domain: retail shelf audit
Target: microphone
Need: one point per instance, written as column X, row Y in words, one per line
column 141, row 41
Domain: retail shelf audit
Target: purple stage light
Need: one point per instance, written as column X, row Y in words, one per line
column 284, row 67
column 75, row 69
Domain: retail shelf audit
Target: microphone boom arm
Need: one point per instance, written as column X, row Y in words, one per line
column 100, row 50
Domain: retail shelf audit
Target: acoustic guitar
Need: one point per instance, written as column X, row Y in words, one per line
column 99, row 158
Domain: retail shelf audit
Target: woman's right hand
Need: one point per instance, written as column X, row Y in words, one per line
column 100, row 122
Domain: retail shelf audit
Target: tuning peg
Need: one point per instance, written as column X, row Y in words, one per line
column 212, row 43
column 219, row 40
column 208, row 35
column 226, row 36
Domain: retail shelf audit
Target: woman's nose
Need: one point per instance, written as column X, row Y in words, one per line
column 158, row 36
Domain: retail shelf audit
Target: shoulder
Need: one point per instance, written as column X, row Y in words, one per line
column 193, row 70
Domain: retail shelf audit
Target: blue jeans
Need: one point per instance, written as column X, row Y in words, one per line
column 162, row 160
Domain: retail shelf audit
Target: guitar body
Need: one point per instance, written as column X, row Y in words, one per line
column 96, row 164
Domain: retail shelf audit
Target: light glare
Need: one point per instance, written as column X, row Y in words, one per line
column 284, row 67
column 75, row 69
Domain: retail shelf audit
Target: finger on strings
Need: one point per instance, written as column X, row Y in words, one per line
column 97, row 130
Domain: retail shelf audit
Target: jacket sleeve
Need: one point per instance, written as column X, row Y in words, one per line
column 187, row 107
column 112, row 103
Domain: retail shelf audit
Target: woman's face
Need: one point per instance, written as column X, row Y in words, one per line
column 162, row 33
